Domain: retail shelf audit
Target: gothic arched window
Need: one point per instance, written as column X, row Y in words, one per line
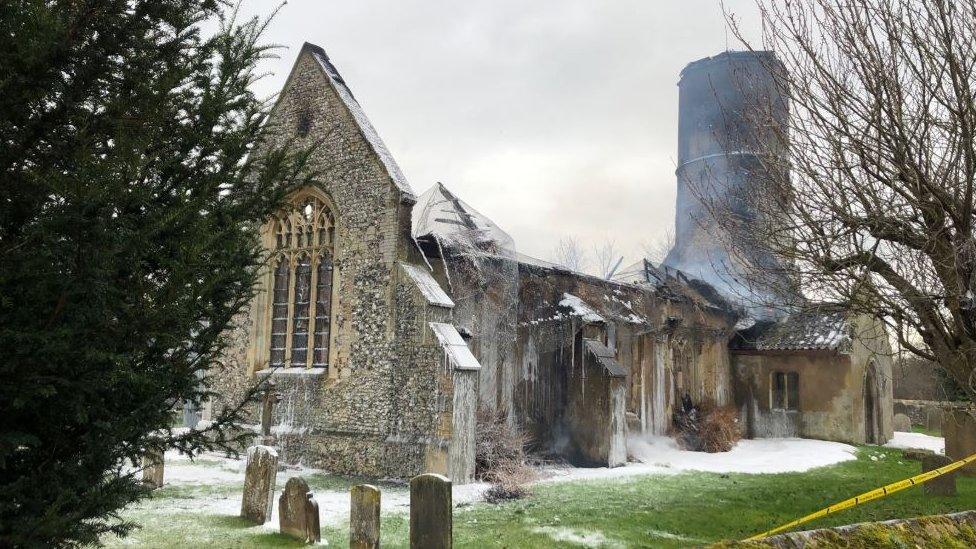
column 301, row 304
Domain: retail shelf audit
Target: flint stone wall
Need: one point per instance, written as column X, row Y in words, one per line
column 378, row 409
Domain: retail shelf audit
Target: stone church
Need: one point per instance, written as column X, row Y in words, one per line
column 387, row 319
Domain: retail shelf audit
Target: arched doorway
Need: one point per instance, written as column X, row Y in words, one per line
column 872, row 415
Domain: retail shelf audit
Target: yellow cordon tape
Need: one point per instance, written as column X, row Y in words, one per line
column 877, row 493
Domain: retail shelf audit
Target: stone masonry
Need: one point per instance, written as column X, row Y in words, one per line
column 357, row 417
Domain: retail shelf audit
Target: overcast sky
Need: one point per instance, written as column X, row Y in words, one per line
column 555, row 118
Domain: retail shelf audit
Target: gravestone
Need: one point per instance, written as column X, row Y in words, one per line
column 915, row 454
column 313, row 527
column 152, row 469
column 944, row 485
column 430, row 512
column 270, row 397
column 959, row 429
column 364, row 517
column 259, row 483
column 934, row 419
column 298, row 512
column 903, row 423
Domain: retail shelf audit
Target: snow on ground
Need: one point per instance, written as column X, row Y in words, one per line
column 661, row 456
column 334, row 504
column 218, row 471
column 759, row 456
column 208, row 469
column 224, row 477
column 917, row 440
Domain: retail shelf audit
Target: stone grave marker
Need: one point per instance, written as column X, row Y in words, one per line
column 364, row 517
column 944, row 485
column 259, row 483
column 152, row 469
column 915, row 454
column 313, row 527
column 903, row 423
column 298, row 512
column 430, row 512
column 270, row 397
column 959, row 430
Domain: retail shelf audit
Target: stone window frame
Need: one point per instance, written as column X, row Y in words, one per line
column 788, row 398
column 305, row 228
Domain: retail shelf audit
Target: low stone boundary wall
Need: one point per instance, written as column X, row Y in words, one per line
column 955, row 530
column 921, row 411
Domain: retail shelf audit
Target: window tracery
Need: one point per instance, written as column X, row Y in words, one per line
column 301, row 304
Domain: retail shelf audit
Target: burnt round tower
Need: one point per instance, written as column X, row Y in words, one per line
column 729, row 109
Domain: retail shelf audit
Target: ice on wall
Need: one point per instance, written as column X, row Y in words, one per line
column 441, row 214
column 480, row 264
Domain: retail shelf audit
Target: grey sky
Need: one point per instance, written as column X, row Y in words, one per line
column 552, row 117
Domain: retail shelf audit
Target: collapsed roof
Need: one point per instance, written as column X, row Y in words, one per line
column 442, row 215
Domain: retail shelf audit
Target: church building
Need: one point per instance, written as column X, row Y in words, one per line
column 388, row 319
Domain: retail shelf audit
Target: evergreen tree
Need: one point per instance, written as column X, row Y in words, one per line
column 134, row 174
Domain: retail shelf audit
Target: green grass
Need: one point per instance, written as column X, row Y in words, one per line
column 925, row 431
column 653, row 511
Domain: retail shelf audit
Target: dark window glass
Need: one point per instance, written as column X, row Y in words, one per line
column 779, row 390
column 323, row 311
column 279, row 314
column 303, row 287
column 786, row 391
column 792, row 391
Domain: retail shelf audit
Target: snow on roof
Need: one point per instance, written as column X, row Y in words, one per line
column 529, row 260
column 578, row 307
column 622, row 309
column 454, row 346
column 801, row 332
column 442, row 214
column 367, row 129
column 429, row 287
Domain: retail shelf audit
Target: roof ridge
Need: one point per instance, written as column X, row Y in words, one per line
column 362, row 121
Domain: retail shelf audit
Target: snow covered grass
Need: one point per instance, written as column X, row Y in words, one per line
column 669, row 502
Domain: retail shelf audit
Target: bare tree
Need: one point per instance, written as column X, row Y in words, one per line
column 657, row 249
column 569, row 253
column 874, row 168
column 607, row 259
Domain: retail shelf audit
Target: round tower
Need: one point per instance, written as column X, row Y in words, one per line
column 721, row 101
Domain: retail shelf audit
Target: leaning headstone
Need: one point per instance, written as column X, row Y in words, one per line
column 152, row 469
column 944, row 485
column 903, row 423
column 259, row 483
column 430, row 512
column 959, row 430
column 313, row 527
column 364, row 517
column 298, row 515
